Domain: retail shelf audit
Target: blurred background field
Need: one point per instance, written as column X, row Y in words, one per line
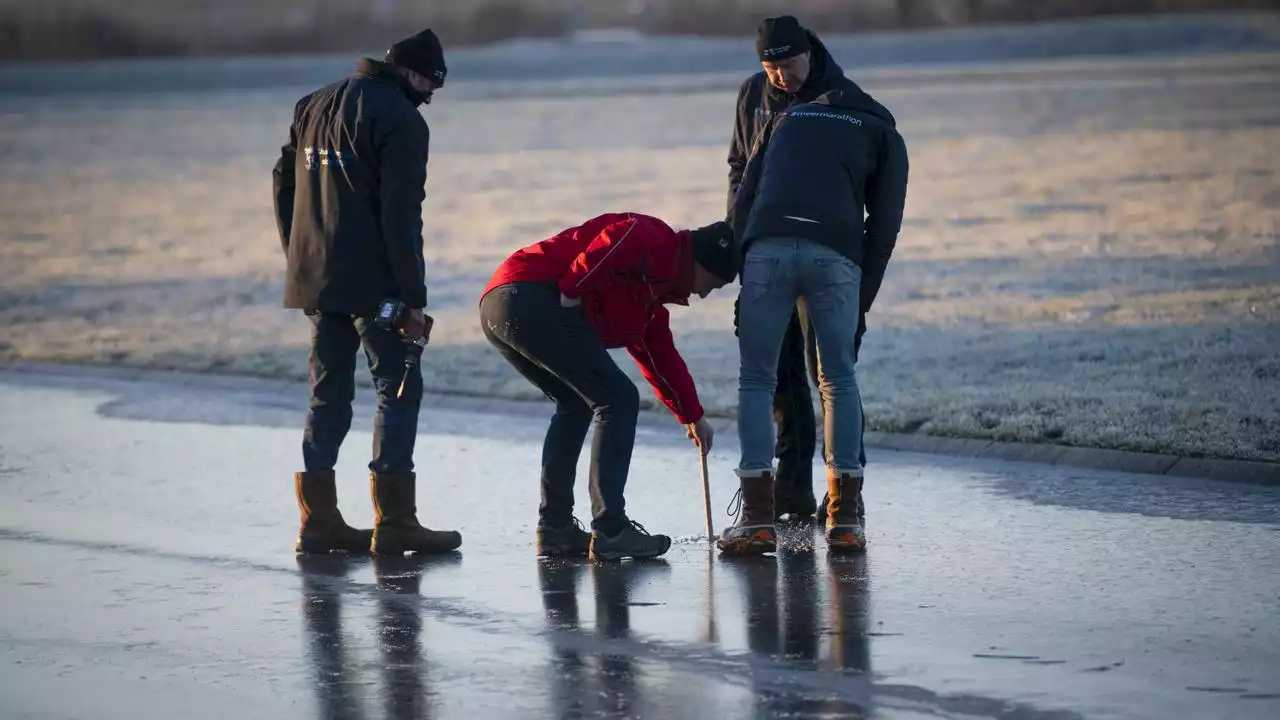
column 1091, row 253
column 58, row 29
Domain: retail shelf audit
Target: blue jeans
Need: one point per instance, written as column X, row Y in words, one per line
column 335, row 340
column 778, row 273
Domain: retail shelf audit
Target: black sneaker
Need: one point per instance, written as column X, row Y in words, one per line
column 564, row 541
column 633, row 541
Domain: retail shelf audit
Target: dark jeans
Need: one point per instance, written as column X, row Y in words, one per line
column 335, row 340
column 557, row 350
column 793, row 411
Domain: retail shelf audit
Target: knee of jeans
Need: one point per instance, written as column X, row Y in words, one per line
column 623, row 401
column 839, row 378
column 572, row 410
column 759, row 380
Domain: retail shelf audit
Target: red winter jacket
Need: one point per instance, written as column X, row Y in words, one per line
column 624, row 267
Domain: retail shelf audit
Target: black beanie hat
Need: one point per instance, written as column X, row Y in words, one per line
column 422, row 54
column 715, row 250
column 779, row 38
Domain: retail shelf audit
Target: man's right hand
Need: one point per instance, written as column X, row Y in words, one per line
column 418, row 325
column 702, row 434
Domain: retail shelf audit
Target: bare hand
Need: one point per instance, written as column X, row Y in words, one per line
column 702, row 434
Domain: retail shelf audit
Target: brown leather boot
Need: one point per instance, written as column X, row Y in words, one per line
column 396, row 530
column 754, row 532
column 322, row 529
column 844, row 526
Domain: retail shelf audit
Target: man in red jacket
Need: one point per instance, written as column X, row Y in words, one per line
column 554, row 308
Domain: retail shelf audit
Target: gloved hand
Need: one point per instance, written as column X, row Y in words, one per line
column 702, row 434
column 418, row 325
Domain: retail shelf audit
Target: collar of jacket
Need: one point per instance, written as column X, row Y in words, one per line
column 378, row 70
column 682, row 284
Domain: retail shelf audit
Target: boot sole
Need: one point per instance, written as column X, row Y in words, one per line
column 559, row 553
column 846, row 543
column 311, row 547
column 300, row 550
column 757, row 544
column 393, row 552
column 383, row 548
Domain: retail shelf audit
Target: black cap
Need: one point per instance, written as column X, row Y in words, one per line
column 779, row 38
column 422, row 54
column 715, row 250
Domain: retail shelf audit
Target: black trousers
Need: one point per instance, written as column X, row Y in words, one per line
column 335, row 341
column 557, row 350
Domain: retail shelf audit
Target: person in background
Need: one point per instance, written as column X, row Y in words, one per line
column 796, row 68
column 554, row 308
column 817, row 217
column 349, row 187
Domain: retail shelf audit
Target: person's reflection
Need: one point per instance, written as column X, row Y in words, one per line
column 399, row 630
column 399, row 634
column 850, row 607
column 614, row 585
column 800, row 596
column 558, row 581
column 759, row 577
column 611, row 690
column 322, row 580
column 791, row 640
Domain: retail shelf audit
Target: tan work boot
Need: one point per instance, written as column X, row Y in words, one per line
column 322, row 529
column 844, row 526
column 396, row 530
column 754, row 532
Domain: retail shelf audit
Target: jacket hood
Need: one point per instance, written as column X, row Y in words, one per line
column 681, row 287
column 855, row 98
column 824, row 71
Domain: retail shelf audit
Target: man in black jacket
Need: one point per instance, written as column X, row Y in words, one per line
column 817, row 217
column 349, row 187
column 797, row 68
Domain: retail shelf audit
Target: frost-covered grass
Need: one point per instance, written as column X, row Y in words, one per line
column 1093, row 261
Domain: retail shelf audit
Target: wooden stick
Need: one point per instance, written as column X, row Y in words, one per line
column 706, row 495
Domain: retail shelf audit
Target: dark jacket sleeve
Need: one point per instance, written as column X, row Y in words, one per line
column 282, row 181
column 886, row 197
column 744, row 199
column 402, row 153
column 739, row 143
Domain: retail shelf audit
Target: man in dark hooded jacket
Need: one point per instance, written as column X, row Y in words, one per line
column 797, row 68
column 349, row 187
column 817, row 216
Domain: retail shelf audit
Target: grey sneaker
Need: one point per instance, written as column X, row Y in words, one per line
column 565, row 541
column 633, row 541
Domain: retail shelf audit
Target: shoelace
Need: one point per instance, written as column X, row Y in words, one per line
column 735, row 505
column 638, row 527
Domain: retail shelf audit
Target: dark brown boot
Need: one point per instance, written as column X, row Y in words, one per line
column 396, row 530
column 322, row 529
column 844, row 525
column 754, row 532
